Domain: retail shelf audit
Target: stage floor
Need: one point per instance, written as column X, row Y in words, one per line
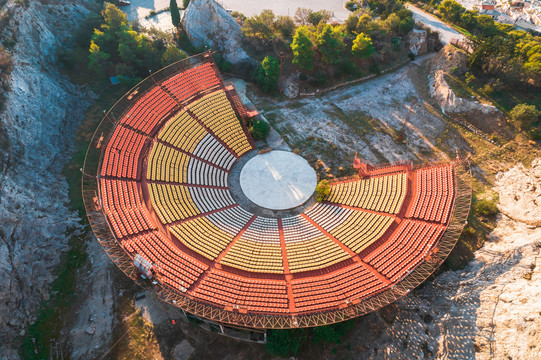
column 278, row 180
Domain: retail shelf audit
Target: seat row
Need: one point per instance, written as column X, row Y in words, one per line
column 122, row 153
column 405, row 249
column 346, row 285
column 243, row 294
column 148, row 110
column 382, row 193
column 313, row 254
column 191, row 81
column 183, row 132
column 216, row 112
column 433, row 194
column 171, row 265
column 213, row 151
column 122, row 205
column 172, row 202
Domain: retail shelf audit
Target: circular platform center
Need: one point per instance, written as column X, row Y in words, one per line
column 278, row 180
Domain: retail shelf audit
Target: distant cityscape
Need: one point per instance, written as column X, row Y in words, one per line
column 525, row 15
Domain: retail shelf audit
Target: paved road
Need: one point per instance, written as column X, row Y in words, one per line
column 141, row 8
column 446, row 32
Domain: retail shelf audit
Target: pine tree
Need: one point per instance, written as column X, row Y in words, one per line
column 175, row 14
column 303, row 54
column 330, row 44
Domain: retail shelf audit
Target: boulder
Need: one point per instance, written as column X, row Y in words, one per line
column 207, row 23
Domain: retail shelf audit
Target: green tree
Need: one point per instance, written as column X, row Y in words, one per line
column 451, row 10
column 172, row 54
column 175, row 13
column 330, row 44
column 365, row 24
column 268, row 74
column 362, row 46
column 260, row 26
column 185, row 3
column 285, row 26
column 406, row 25
column 524, row 115
column 98, row 60
column 351, row 23
column 323, row 189
column 303, row 53
column 259, row 129
column 315, row 17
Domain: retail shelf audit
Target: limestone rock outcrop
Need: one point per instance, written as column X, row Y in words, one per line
column 42, row 112
column 207, row 23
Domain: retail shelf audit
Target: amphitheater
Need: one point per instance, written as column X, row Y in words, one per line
column 183, row 202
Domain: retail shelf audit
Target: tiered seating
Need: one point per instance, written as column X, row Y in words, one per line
column 171, row 265
column 167, row 164
column 350, row 283
column 211, row 150
column 198, row 172
column 307, row 247
column 208, row 200
column 327, row 216
column 231, row 220
column 258, row 249
column 215, row 111
column 183, row 132
column 241, row 293
column 202, row 236
column 434, row 194
column 122, row 153
column 172, row 202
column 149, row 110
column 406, row 248
column 383, row 193
column 191, row 81
column 361, row 229
column 122, row 204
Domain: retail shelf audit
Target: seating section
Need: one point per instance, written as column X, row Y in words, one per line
column 122, row 153
column 216, row 112
column 202, row 236
column 148, row 110
column 382, row 193
column 258, row 249
column 433, row 194
column 243, row 294
column 307, row 247
column 170, row 265
column 172, row 202
column 327, row 216
column 231, row 220
column 168, row 164
column 361, row 229
column 211, row 150
column 183, row 132
column 192, row 81
column 351, row 283
column 122, row 205
column 208, row 200
column 405, row 249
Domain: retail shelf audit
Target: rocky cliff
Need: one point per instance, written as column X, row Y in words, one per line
column 42, row 111
column 208, row 24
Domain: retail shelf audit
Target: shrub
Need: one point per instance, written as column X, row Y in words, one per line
column 323, row 189
column 524, row 115
column 172, row 54
column 268, row 74
column 259, row 129
column 486, row 207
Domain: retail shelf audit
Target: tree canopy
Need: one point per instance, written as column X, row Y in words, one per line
column 268, row 74
column 260, row 25
column 175, row 13
column 330, row 44
column 303, row 54
column 362, row 46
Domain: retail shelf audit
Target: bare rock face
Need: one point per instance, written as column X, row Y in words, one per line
column 42, row 111
column 207, row 23
column 418, row 42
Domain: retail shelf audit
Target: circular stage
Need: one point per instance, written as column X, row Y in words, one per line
column 278, row 180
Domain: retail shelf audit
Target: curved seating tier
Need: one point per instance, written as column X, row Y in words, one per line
column 434, row 194
column 183, row 135
column 308, row 248
column 122, row 205
column 381, row 193
column 215, row 111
